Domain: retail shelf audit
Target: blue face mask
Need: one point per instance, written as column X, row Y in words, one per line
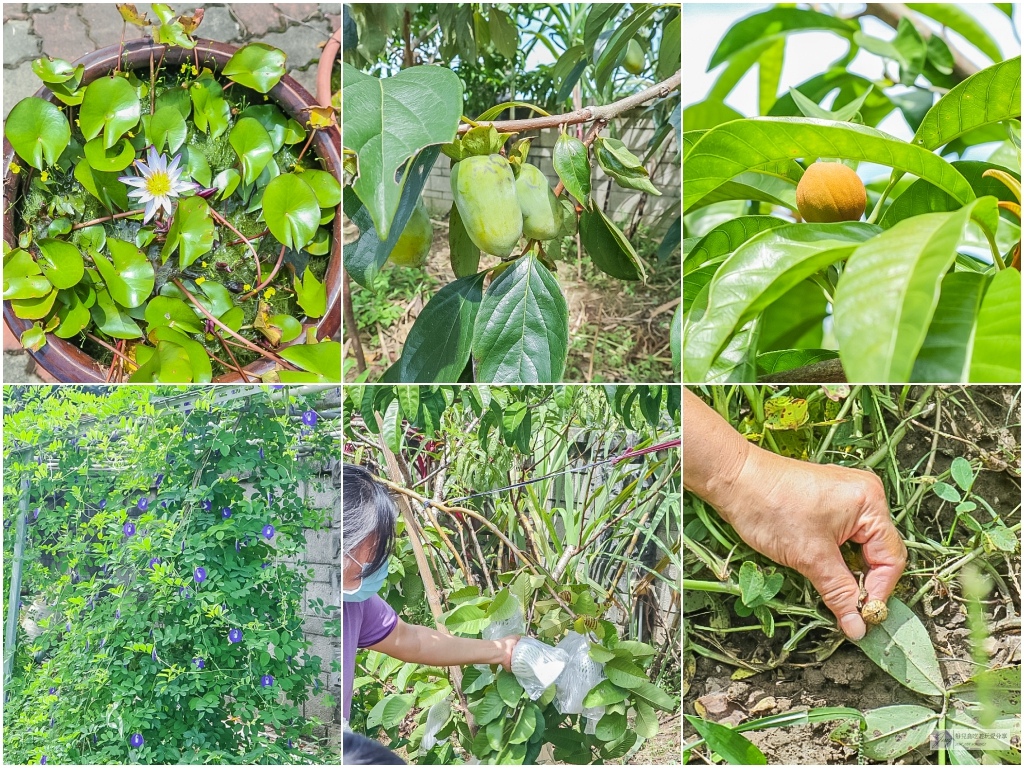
column 368, row 587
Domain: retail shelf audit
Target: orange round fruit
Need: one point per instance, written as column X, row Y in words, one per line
column 830, row 192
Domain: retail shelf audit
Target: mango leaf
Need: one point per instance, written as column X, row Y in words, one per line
column 900, row 645
column 110, row 319
column 166, row 126
column 946, row 353
column 608, row 246
column 291, row 210
column 61, row 262
column 110, row 105
column 323, row 358
column 257, row 66
column 571, row 162
column 726, row 237
column 130, row 278
column 380, row 129
column 776, row 24
column 996, row 352
column 439, row 343
column 883, row 305
column 730, row 745
column 522, row 330
column 753, row 185
column 253, row 146
column 742, row 145
column 757, row 273
column 989, row 96
column 101, row 159
column 173, row 313
column 191, row 231
column 311, row 295
column 895, row 731
column 38, row 131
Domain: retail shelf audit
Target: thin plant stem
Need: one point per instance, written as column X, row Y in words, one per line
column 255, row 256
column 111, row 217
column 306, row 146
column 237, row 367
column 111, row 349
column 265, row 283
column 242, row 239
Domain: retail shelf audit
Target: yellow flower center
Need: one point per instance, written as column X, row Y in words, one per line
column 158, row 184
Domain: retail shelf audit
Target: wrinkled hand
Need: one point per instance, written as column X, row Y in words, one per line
column 506, row 645
column 799, row 513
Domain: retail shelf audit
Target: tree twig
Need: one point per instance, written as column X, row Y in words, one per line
column 586, row 114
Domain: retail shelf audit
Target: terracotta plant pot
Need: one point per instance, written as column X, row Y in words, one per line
column 63, row 359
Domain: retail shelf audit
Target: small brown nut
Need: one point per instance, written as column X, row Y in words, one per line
column 874, row 612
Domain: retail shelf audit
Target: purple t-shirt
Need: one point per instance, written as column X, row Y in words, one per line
column 363, row 624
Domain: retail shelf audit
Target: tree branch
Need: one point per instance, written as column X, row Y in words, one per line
column 586, row 114
column 891, row 13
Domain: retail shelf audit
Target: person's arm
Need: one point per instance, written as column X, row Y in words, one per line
column 421, row 645
column 795, row 512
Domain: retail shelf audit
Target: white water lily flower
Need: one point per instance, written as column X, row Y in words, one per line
column 158, row 183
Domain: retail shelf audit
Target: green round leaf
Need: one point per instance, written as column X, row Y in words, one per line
column 34, row 308
column 325, row 185
column 26, row 287
column 38, row 131
column 53, row 70
column 227, row 182
column 253, row 146
column 166, row 126
column 257, row 66
column 271, row 118
column 191, row 231
column 173, row 313
column 74, row 316
column 289, row 326
column 291, row 210
column 130, row 278
column 110, row 105
column 61, row 262
column 311, row 294
column 323, row 358
column 100, row 159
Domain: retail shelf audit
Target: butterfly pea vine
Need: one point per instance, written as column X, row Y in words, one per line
column 175, row 223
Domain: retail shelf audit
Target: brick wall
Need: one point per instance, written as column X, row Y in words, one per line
column 664, row 168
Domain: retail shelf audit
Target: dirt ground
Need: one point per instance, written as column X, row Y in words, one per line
column 846, row 677
column 618, row 331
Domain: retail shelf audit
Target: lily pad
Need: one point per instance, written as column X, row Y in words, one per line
column 168, row 364
column 253, row 146
column 199, row 360
column 191, row 232
column 323, row 358
column 130, row 278
column 103, row 186
column 61, row 262
column 173, row 313
column 110, row 105
column 226, row 182
column 166, row 126
column 271, row 118
column 311, row 295
column 34, row 308
column 111, row 320
column 101, row 159
column 257, row 66
column 38, row 131
column 73, row 316
column 325, row 185
column 291, row 210
column 51, row 70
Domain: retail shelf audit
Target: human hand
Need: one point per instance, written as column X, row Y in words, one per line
column 505, row 647
column 799, row 513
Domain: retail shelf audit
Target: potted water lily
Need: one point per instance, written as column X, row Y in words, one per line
column 171, row 214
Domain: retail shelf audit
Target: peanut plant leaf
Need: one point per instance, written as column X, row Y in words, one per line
column 901, row 646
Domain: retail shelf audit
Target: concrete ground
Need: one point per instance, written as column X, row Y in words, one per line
column 70, row 30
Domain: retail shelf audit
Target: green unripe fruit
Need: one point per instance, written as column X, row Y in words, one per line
column 542, row 213
column 830, row 192
column 634, row 61
column 414, row 243
column 485, row 194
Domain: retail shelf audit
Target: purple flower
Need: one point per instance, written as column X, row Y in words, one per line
column 199, row 663
column 154, row 561
column 35, row 515
column 143, row 504
column 103, row 642
column 103, row 504
column 207, row 505
column 117, row 614
column 163, row 504
column 309, row 418
column 136, row 740
column 185, row 593
column 200, row 575
column 51, row 721
column 68, row 625
column 154, row 654
column 225, row 513
column 42, row 760
column 261, row 454
column 159, row 479
column 235, row 636
column 238, row 547
column 268, row 532
column 266, row 681
column 129, row 529
column 289, row 743
column 53, row 691
column 277, row 386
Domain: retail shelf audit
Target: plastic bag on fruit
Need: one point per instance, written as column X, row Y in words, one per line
column 537, row 665
column 581, row 674
column 513, row 625
column 437, row 716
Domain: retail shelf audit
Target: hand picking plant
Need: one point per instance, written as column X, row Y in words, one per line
column 165, row 626
column 781, row 275
column 173, row 221
column 507, row 322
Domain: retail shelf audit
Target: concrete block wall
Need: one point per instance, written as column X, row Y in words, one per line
column 664, row 167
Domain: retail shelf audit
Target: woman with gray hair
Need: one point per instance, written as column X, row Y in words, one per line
column 368, row 538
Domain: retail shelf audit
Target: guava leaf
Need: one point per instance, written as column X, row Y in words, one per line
column 253, row 146
column 900, row 645
column 110, row 105
column 38, row 131
column 130, row 278
column 291, row 210
column 61, row 262
column 191, row 231
column 522, row 329
column 387, row 121
column 257, row 66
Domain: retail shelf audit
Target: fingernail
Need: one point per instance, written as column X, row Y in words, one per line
column 853, row 626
